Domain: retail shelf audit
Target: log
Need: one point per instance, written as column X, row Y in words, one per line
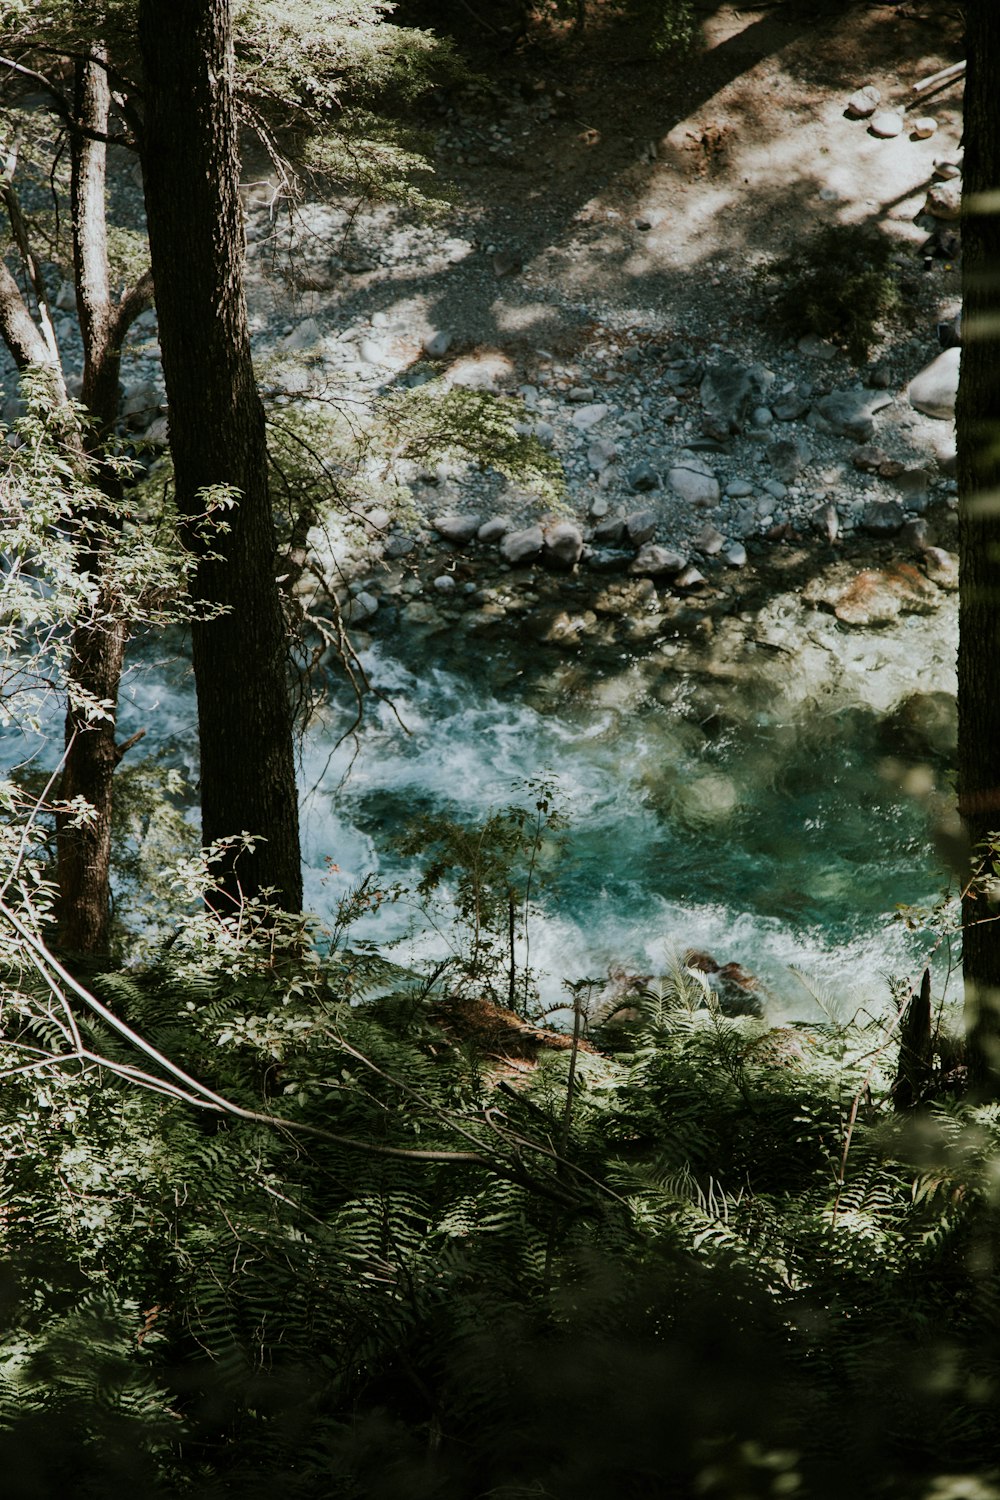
column 915, row 1049
column 943, row 75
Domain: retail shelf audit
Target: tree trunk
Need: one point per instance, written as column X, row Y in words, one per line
column 979, row 534
column 217, row 438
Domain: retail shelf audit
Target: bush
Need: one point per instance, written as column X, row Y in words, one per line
column 839, row 285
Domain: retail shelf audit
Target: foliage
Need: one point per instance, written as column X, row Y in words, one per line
column 839, row 285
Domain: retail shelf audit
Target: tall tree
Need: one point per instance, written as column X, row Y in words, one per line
column 218, row 441
column 979, row 538
column 98, row 632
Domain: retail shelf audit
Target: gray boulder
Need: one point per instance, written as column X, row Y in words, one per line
column 694, row 481
column 789, row 456
column 934, row 390
column 457, row 528
column 882, row 518
column 519, row 547
column 563, row 545
column 640, row 526
column 652, row 560
column 729, row 393
column 850, row 413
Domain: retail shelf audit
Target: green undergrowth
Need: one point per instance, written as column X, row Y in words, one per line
column 698, row 1256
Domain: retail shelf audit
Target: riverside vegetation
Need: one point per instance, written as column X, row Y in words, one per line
column 283, row 1213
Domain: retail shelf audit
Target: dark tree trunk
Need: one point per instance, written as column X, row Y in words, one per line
column 979, row 532
column 217, row 438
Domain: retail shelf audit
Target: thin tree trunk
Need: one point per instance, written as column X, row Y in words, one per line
column 217, row 438
column 979, row 532
column 98, row 636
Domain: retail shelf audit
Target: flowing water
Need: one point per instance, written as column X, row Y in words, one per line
column 767, row 833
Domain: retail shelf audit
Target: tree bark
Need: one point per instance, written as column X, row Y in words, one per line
column 97, row 639
column 217, row 438
column 979, row 535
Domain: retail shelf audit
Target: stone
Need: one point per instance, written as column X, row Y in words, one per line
column 609, row 531
column 739, row 489
column 886, row 123
column 544, row 432
column 729, row 392
column 814, row 347
column 66, row 297
column 600, row 454
column 436, row 345
column 303, row 336
column 652, row 560
column 694, row 482
column 850, row 413
column 599, row 507
column 826, row 521
column 762, row 416
column 923, row 128
column 140, row 406
column 941, row 568
column 640, row 526
column 789, row 456
column 689, row 578
column 775, row 489
column 588, row 416
column 563, row 545
column 422, row 614
column 882, row 518
column 875, row 596
column 709, row 541
column 914, row 535
column 399, row 546
column 519, row 547
column 868, row 459
column 735, row 555
column 360, row 607
column 493, row 529
column 924, row 726
column 864, row 102
column 790, row 407
column 934, row 390
column 457, row 528
column 944, row 200
column 445, row 583
column 507, row 261
column 608, row 559
column 644, row 477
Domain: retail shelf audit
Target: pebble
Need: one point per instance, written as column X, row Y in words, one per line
column 445, row 583
column 563, row 544
column 436, row 345
column 640, row 526
column 923, row 128
column 735, row 555
column 739, row 489
column 600, row 454
column 709, row 540
column 493, row 529
column 589, row 416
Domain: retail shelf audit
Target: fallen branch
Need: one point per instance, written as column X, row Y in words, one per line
column 943, row 75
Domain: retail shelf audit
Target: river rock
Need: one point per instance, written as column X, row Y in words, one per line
column 694, row 481
column 849, row 413
column 790, row 406
column 944, row 200
column 418, row 613
column 689, row 578
column 735, row 555
column 941, row 568
column 739, row 489
column 457, row 528
column 600, row 454
column 882, row 518
column 789, row 456
column 709, row 541
column 886, row 123
column 874, row 596
column 826, row 521
column 644, row 477
column 563, row 545
column 864, row 102
column 519, row 547
column 653, row 560
column 303, row 336
column 360, row 606
column 923, row 128
column 608, row 559
column 588, row 416
column 924, row 726
column 729, row 392
column 397, row 546
column 445, row 583
column 493, row 529
column 934, row 390
column 640, row 526
column 609, row 531
column 436, row 345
